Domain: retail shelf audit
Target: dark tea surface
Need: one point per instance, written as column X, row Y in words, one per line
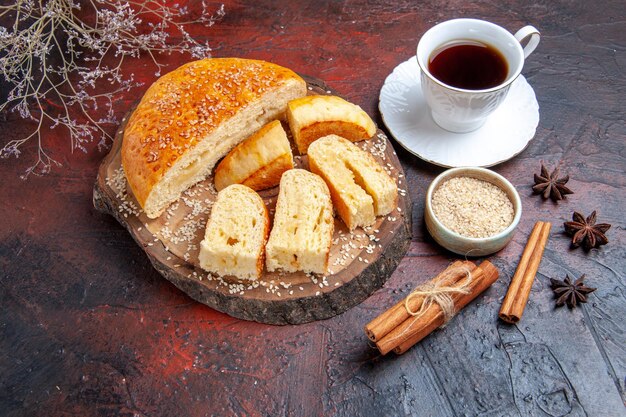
column 470, row 65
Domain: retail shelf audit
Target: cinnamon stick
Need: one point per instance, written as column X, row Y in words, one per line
column 415, row 328
column 521, row 283
column 482, row 278
column 390, row 319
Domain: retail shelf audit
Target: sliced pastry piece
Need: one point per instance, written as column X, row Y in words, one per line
column 258, row 161
column 193, row 116
column 302, row 233
column 312, row 117
column 235, row 235
column 360, row 188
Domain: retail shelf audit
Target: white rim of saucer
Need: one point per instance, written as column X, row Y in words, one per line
column 426, row 158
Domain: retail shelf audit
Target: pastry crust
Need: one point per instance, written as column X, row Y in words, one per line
column 191, row 117
column 269, row 176
column 257, row 162
column 313, row 117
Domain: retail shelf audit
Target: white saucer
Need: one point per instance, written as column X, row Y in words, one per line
column 505, row 134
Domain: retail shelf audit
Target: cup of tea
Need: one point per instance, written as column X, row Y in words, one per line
column 467, row 67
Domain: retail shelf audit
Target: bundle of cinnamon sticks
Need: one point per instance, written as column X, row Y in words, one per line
column 413, row 318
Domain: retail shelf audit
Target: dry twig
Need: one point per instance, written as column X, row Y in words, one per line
column 56, row 56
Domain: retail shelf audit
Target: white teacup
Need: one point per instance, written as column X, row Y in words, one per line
column 462, row 110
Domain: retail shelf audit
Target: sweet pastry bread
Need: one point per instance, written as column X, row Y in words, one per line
column 257, row 162
column 191, row 117
column 359, row 186
column 302, row 233
column 312, row 117
column 235, row 235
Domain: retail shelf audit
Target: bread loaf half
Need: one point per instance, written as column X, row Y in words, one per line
column 258, row 161
column 312, row 117
column 302, row 233
column 191, row 117
column 359, row 186
column 235, row 235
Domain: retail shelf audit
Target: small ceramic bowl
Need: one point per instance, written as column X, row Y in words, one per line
column 470, row 246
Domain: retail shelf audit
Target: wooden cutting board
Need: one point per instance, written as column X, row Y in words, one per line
column 360, row 262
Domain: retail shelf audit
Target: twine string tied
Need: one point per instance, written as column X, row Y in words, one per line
column 434, row 292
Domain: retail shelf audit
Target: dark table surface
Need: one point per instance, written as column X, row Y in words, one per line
column 88, row 327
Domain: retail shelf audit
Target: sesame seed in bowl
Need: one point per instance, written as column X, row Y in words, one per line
column 472, row 211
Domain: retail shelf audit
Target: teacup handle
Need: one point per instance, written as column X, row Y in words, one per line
column 532, row 35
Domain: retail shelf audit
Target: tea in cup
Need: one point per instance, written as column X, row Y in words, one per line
column 467, row 67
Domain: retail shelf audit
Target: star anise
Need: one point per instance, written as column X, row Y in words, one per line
column 586, row 232
column 550, row 185
column 569, row 292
